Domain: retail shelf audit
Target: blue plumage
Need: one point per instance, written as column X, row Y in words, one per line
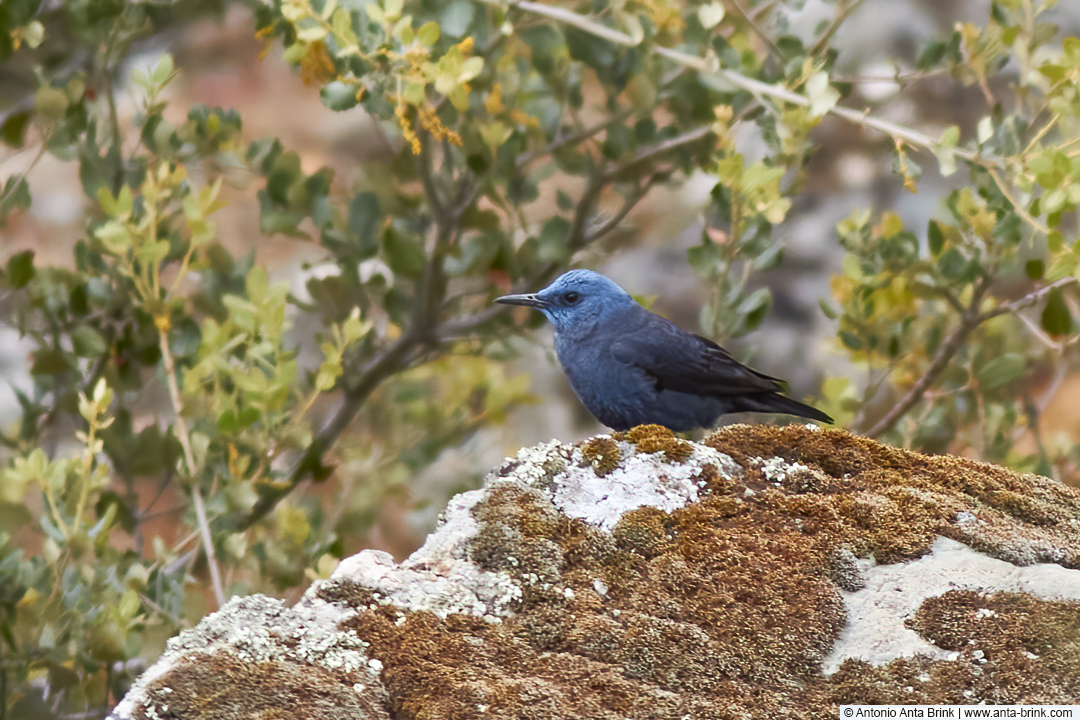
column 631, row 367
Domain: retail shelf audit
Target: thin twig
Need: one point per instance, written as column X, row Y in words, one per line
column 662, row 148
column 423, row 167
column 841, row 15
column 762, row 35
column 189, row 460
column 629, row 203
column 1032, row 298
column 525, row 158
column 945, row 353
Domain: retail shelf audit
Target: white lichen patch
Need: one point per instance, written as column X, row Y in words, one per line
column 438, row 577
column 258, row 629
column 641, row 479
column 875, row 630
column 776, row 469
column 441, row 579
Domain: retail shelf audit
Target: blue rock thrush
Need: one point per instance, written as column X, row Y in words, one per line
column 631, row 367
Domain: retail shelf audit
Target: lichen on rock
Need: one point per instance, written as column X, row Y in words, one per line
column 752, row 575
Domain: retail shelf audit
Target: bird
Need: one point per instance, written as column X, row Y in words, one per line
column 632, row 367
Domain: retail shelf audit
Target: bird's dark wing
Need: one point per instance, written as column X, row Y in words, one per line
column 684, row 362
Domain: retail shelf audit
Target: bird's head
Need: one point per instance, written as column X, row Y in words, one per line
column 576, row 300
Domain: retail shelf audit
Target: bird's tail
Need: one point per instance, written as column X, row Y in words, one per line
column 776, row 403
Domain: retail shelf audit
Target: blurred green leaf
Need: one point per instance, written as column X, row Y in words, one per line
column 365, row 217
column 51, row 362
column 454, row 19
column 20, row 269
column 1001, row 370
column 1056, row 318
column 13, row 130
column 403, row 253
column 338, row 96
column 87, row 341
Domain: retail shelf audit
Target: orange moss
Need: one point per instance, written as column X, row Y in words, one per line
column 726, row 607
column 603, row 455
column 657, row 438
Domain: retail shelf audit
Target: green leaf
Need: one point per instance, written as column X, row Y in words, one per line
column 935, row 237
column 13, row 516
column 1056, row 318
column 428, row 34
column 185, row 337
column 403, row 253
column 51, row 102
column 1001, row 370
column 710, row 15
column 86, row 341
column 163, row 71
column 227, row 421
column 953, row 264
column 564, row 201
column 1035, row 268
column 470, row 69
column 823, row 97
column 14, row 129
column 704, row 258
column 342, row 25
column 365, row 216
column 589, row 49
column 20, row 269
column 754, row 308
column 248, row 416
column 454, row 20
column 931, row 54
column 414, row 93
column 945, row 150
column 950, row 137
column 851, row 341
column 338, row 96
column 51, row 362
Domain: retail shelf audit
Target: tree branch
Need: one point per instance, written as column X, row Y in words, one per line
column 845, row 11
column 756, row 87
column 399, row 355
column 941, row 359
column 423, row 168
column 629, row 203
column 1028, row 300
column 971, row 320
column 386, row 363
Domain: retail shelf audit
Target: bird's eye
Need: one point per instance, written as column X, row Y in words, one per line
column 571, row 297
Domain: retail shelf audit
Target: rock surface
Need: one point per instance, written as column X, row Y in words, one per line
column 767, row 572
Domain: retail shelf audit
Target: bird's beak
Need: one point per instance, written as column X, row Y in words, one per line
column 528, row 300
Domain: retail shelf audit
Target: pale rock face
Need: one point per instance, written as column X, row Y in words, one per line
column 440, row 578
column 875, row 630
